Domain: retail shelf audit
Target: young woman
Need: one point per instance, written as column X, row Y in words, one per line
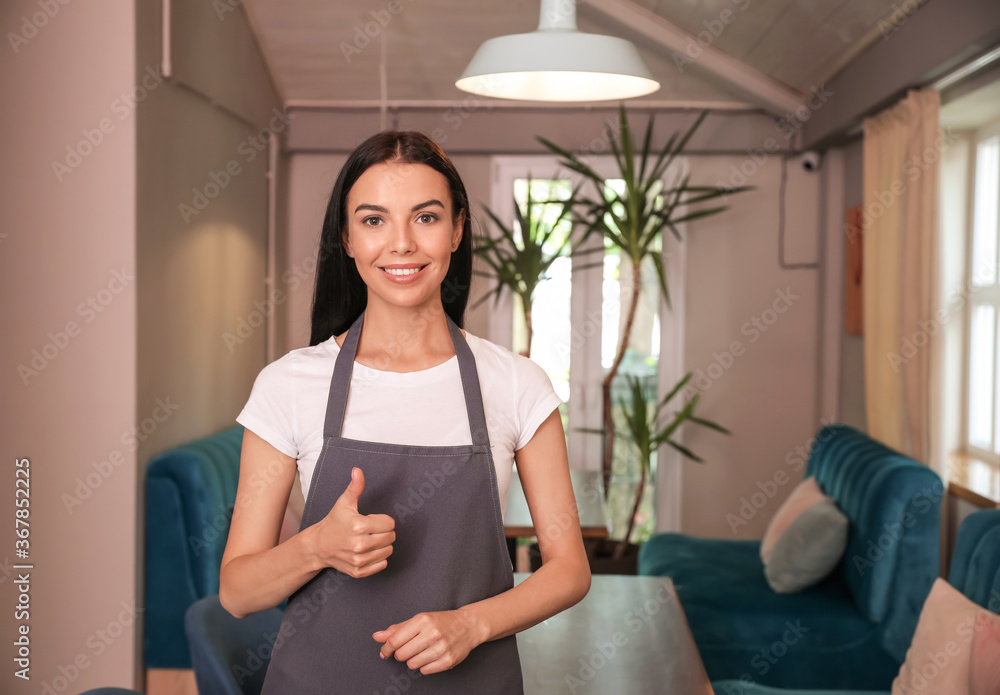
column 402, row 429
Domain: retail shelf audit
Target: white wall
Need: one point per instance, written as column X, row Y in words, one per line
column 63, row 244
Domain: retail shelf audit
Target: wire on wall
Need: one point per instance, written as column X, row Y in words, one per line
column 781, row 224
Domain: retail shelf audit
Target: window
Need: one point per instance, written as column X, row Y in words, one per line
column 550, row 325
column 577, row 317
column 983, row 357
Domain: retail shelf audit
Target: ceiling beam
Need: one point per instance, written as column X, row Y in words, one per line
column 769, row 94
column 473, row 103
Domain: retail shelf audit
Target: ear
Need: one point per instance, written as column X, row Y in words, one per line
column 456, row 237
column 345, row 240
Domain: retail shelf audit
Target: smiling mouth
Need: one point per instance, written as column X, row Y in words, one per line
column 403, row 272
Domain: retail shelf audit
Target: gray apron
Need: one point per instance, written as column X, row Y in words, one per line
column 449, row 552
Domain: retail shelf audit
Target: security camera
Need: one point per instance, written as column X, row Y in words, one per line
column 811, row 160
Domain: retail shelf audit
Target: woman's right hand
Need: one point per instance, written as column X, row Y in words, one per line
column 351, row 542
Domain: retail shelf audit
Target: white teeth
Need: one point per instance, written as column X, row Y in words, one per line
column 403, row 271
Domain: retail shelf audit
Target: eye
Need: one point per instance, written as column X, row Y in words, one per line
column 427, row 218
column 371, row 221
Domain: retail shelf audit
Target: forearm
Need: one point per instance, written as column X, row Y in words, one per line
column 258, row 581
column 554, row 587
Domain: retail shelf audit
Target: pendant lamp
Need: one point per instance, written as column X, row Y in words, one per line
column 558, row 63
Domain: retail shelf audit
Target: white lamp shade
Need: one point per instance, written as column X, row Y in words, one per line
column 558, row 66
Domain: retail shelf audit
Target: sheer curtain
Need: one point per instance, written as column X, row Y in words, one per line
column 902, row 149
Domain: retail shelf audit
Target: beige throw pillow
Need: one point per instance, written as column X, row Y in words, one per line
column 939, row 659
column 806, row 494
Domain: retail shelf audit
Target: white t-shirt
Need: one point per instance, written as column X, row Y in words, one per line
column 287, row 406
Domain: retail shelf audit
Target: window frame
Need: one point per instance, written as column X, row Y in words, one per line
column 977, row 298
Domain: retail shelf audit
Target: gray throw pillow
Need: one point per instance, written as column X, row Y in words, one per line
column 809, row 549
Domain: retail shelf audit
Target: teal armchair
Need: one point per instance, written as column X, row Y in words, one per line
column 864, row 613
column 975, row 571
column 190, row 491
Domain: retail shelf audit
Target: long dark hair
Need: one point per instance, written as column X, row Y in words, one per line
column 341, row 295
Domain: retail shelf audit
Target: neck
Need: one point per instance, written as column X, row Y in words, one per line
column 404, row 338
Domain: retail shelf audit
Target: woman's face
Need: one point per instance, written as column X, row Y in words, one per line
column 401, row 231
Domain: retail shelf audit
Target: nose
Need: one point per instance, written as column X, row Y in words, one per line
column 402, row 239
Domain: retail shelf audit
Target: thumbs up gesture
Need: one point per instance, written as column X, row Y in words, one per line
column 351, row 542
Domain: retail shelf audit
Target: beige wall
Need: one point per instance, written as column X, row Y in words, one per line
column 201, row 331
column 202, row 223
column 751, row 338
column 62, row 244
column 144, row 364
column 852, row 365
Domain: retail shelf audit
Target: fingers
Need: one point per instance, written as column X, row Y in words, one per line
column 421, row 643
column 354, row 489
column 353, row 543
column 367, row 564
column 364, row 540
column 368, row 570
column 395, row 638
column 379, row 523
column 437, row 666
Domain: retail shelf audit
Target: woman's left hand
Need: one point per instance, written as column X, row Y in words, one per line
column 431, row 642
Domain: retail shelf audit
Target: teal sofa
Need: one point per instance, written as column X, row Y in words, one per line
column 975, row 571
column 190, row 491
column 852, row 630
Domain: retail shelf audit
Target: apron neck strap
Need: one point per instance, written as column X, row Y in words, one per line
column 336, row 405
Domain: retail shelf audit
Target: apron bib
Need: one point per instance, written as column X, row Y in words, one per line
column 449, row 552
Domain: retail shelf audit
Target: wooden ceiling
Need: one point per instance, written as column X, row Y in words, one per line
column 759, row 53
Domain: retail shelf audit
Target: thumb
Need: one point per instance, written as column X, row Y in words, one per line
column 354, row 489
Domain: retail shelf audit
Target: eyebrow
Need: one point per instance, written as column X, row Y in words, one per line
column 419, row 206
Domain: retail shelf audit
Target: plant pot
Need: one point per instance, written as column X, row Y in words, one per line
column 601, row 551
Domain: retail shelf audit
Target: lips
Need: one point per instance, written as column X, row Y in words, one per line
column 403, row 273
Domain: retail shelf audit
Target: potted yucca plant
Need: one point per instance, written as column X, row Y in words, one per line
column 520, row 255
column 654, row 197
column 646, row 430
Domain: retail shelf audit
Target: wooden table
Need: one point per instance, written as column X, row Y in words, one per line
column 589, row 491
column 628, row 636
